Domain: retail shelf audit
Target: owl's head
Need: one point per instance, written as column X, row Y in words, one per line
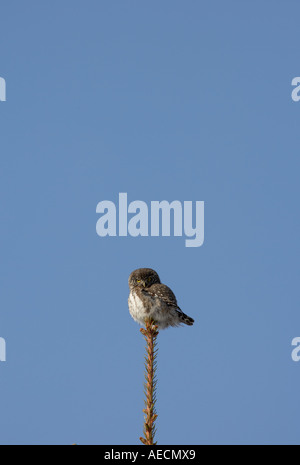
column 143, row 277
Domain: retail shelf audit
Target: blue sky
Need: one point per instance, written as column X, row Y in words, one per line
column 165, row 101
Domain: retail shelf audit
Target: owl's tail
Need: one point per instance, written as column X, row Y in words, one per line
column 187, row 320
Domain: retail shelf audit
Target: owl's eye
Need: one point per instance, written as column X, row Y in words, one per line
column 138, row 280
column 149, row 279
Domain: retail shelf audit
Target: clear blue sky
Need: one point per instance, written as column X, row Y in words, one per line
column 164, row 100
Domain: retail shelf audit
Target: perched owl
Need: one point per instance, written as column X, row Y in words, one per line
column 149, row 298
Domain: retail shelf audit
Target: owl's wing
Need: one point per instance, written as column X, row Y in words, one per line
column 164, row 293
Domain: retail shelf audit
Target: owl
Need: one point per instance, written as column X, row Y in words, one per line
column 150, row 299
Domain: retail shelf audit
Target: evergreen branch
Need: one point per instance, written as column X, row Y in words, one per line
column 150, row 334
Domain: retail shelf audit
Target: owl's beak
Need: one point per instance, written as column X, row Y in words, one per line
column 143, row 283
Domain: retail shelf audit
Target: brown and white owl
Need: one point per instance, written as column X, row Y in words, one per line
column 150, row 299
